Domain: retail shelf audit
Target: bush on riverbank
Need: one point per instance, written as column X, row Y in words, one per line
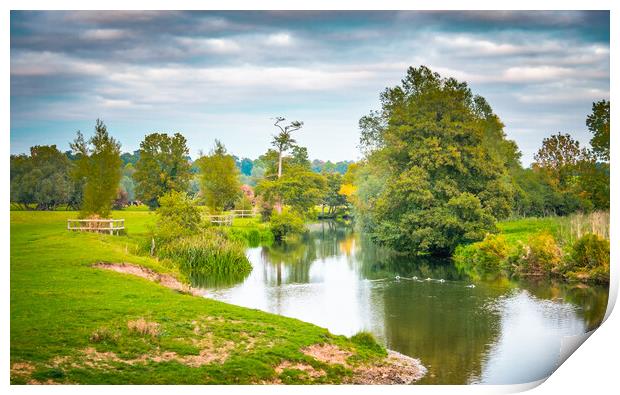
column 541, row 255
column 286, row 224
column 182, row 237
column 486, row 256
column 589, row 259
column 542, row 247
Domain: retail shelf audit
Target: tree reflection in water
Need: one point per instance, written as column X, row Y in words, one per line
column 424, row 308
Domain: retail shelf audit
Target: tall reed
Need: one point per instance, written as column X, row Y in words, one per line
column 573, row 227
column 207, row 252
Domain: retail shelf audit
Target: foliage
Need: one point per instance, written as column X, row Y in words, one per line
column 98, row 165
column 121, row 199
column 341, row 167
column 286, row 224
column 162, row 167
column 177, row 216
column 542, row 255
column 205, row 253
column 299, row 188
column 440, row 179
column 52, row 269
column 333, row 198
column 284, row 141
column 42, row 179
column 253, row 236
column 589, row 258
column 598, row 123
column 576, row 180
column 127, row 183
column 558, row 158
column 219, row 179
column 486, row 256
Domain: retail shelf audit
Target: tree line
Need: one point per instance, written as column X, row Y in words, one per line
column 95, row 177
column 439, row 171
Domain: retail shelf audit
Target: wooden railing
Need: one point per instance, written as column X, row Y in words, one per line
column 244, row 213
column 224, row 220
column 227, row 219
column 113, row 226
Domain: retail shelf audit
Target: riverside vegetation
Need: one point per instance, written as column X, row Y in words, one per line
column 439, row 178
column 72, row 322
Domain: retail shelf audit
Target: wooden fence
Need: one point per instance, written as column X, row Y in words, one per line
column 227, row 219
column 112, row 226
column 244, row 213
column 223, row 220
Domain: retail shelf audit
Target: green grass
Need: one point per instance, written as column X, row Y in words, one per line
column 566, row 230
column 521, row 229
column 66, row 314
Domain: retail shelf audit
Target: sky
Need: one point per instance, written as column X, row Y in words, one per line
column 226, row 75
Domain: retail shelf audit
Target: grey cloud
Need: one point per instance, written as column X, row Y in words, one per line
column 167, row 67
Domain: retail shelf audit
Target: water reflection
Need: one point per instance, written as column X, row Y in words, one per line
column 496, row 331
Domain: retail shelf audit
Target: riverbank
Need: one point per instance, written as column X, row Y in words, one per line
column 75, row 323
column 572, row 248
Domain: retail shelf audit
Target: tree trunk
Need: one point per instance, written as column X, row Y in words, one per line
column 279, row 201
column 279, row 164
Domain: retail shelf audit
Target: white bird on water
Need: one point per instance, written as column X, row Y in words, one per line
column 470, row 286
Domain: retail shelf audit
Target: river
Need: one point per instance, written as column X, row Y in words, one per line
column 499, row 331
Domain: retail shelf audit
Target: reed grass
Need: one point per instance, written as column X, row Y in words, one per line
column 207, row 252
column 573, row 227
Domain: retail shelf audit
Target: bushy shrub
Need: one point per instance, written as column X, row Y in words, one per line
column 486, row 256
column 177, row 216
column 590, row 251
column 542, row 255
column 286, row 224
column 589, row 259
column 207, row 252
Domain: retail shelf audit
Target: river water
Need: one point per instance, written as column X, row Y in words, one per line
column 497, row 331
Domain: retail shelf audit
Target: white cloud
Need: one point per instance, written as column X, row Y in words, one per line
column 279, row 39
column 535, row 73
column 210, row 45
column 104, row 34
column 563, row 96
column 48, row 63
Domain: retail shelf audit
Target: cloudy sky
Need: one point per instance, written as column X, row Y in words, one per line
column 226, row 74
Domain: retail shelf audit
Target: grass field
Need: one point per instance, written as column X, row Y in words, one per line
column 565, row 229
column 72, row 323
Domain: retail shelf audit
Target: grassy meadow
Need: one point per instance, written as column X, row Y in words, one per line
column 72, row 323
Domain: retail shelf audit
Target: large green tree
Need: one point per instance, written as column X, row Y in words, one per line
column 162, row 167
column 437, row 157
column 41, row 179
column 559, row 157
column 98, row 166
column 598, row 123
column 299, row 188
column 219, row 178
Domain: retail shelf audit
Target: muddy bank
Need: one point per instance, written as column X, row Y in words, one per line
column 165, row 280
